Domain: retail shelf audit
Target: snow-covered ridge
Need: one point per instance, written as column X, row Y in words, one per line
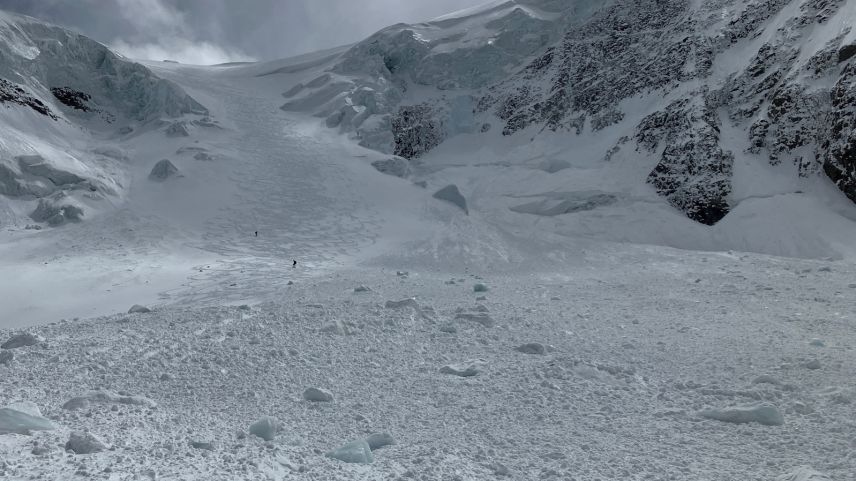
column 361, row 89
column 777, row 69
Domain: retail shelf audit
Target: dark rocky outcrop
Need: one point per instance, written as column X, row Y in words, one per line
column 694, row 173
column 846, row 53
column 840, row 159
column 14, row 94
column 416, row 129
column 72, row 98
column 581, row 77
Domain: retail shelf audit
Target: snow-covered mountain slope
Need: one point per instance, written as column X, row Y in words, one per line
column 476, row 191
column 65, row 100
column 690, row 89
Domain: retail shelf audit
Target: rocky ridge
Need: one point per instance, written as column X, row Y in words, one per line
column 781, row 70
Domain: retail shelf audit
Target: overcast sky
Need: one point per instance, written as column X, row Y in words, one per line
column 215, row 31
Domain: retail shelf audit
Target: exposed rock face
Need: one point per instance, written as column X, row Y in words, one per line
column 14, row 94
column 773, row 98
column 694, row 173
column 416, row 129
column 795, row 99
column 72, row 98
column 840, row 161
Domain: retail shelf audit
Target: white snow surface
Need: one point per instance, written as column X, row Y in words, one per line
column 647, row 317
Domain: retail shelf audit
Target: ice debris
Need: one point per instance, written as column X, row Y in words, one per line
column 467, row 369
column 84, row 443
column 317, row 395
column 357, row 452
column 204, row 445
column 765, row 414
column 451, row 194
column 379, row 440
column 396, row 166
column 480, row 317
column 803, row 473
column 163, row 170
column 106, row 397
column 402, row 304
column 532, row 348
column 24, row 339
column 138, row 309
column 22, row 419
column 265, row 428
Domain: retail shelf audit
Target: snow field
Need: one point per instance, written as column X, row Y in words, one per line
column 620, row 388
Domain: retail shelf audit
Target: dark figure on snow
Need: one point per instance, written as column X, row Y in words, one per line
column 293, row 263
column 257, row 233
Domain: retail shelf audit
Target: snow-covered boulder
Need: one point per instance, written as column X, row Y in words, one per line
column 396, row 166
column 813, row 365
column 57, row 211
column 451, row 194
column 803, row 473
column 265, row 428
column 139, row 309
column 402, row 304
column 467, row 369
column 765, row 414
column 481, row 318
column 36, row 165
column 24, row 339
column 163, row 170
column 532, row 348
column 561, row 203
column 106, row 397
column 356, row 452
column 23, row 419
column 203, row 445
column 317, row 395
column 84, row 443
column 379, row 440
column 177, row 129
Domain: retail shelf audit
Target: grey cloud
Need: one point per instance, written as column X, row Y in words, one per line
column 214, row 31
